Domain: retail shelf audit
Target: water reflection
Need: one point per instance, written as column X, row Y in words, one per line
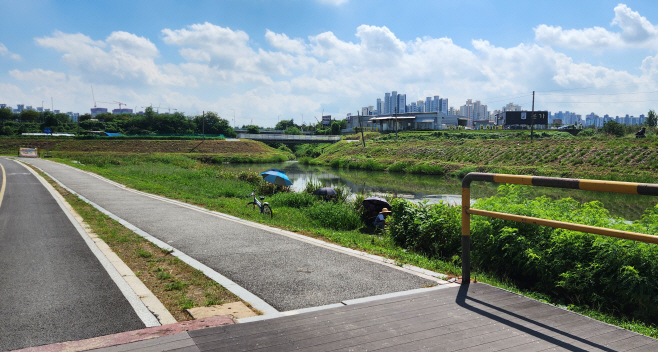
column 434, row 189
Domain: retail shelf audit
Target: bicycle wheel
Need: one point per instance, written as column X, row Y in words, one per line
column 252, row 205
column 267, row 210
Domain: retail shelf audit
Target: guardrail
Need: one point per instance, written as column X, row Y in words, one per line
column 554, row 182
column 293, row 137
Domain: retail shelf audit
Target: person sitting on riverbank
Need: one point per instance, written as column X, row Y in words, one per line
column 640, row 133
column 380, row 220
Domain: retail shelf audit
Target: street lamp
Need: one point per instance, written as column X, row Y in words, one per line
column 233, row 118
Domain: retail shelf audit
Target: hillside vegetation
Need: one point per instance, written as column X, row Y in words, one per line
column 553, row 154
column 216, row 150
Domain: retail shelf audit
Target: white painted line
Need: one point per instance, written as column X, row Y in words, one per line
column 142, row 311
column 411, row 269
column 289, row 313
column 238, row 290
column 397, row 294
column 4, row 183
column 312, row 309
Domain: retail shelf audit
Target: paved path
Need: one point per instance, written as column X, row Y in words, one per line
column 475, row 318
column 52, row 287
column 285, row 272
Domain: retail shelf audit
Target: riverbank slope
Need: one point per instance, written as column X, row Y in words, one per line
column 553, row 155
column 217, row 150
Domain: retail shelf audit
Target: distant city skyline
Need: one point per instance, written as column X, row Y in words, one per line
column 586, row 56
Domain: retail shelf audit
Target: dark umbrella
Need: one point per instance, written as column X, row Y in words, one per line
column 376, row 204
column 325, row 191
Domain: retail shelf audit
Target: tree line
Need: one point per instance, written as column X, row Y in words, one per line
column 130, row 124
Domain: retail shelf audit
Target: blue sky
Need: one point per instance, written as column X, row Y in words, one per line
column 265, row 59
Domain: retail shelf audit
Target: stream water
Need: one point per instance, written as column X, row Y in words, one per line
column 439, row 188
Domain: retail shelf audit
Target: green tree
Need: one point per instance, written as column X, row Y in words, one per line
column 213, row 124
column 292, row 130
column 613, row 128
column 6, row 115
column 84, row 117
column 335, row 128
column 253, row 129
column 284, row 124
column 651, row 119
column 30, row 116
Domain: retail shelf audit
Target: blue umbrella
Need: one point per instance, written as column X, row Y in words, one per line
column 277, row 178
column 272, row 171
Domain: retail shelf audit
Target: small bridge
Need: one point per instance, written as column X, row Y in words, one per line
column 289, row 138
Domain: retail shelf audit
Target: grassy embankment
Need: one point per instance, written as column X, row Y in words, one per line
column 211, row 151
column 457, row 153
column 176, row 284
column 218, row 189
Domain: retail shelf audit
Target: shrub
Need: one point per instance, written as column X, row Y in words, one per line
column 337, row 216
column 430, row 229
column 293, row 200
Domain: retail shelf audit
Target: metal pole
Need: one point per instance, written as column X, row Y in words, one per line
column 532, row 118
column 396, row 122
column 466, row 235
column 233, row 118
column 203, row 125
column 363, row 138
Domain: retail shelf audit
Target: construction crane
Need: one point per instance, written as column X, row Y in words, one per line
column 169, row 110
column 92, row 96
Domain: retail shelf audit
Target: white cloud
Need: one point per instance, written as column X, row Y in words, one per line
column 222, row 69
column 282, row 42
column 122, row 59
column 5, row 52
column 636, row 31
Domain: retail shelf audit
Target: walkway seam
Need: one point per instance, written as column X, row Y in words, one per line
column 410, row 269
column 144, row 314
column 227, row 283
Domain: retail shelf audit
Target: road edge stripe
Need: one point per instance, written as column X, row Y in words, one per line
column 227, row 283
column 4, row 183
column 145, row 315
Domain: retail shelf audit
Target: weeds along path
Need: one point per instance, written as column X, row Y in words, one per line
column 285, row 272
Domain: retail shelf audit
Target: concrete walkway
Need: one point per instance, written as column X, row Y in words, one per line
column 285, row 271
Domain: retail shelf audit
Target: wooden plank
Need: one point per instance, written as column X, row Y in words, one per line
column 311, row 322
column 631, row 342
column 304, row 318
column 339, row 331
column 180, row 340
column 651, row 347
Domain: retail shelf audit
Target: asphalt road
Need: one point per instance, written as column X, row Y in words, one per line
column 52, row 287
column 286, row 273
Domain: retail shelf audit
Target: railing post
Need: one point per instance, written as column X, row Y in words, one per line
column 466, row 233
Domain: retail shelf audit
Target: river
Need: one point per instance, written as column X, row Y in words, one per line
column 438, row 188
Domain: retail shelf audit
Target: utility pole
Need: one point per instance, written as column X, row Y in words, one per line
column 396, row 123
column 361, row 128
column 532, row 118
column 203, row 125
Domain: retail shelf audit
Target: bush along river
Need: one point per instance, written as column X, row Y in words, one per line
column 435, row 189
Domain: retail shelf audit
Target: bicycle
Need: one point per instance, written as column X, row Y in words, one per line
column 264, row 207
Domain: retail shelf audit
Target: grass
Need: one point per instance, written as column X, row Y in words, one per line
column 199, row 184
column 554, row 154
column 176, row 284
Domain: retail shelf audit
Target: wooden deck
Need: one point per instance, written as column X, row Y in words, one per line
column 475, row 318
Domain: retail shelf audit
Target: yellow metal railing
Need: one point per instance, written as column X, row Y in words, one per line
column 569, row 183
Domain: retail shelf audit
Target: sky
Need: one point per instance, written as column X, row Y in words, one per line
column 259, row 61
